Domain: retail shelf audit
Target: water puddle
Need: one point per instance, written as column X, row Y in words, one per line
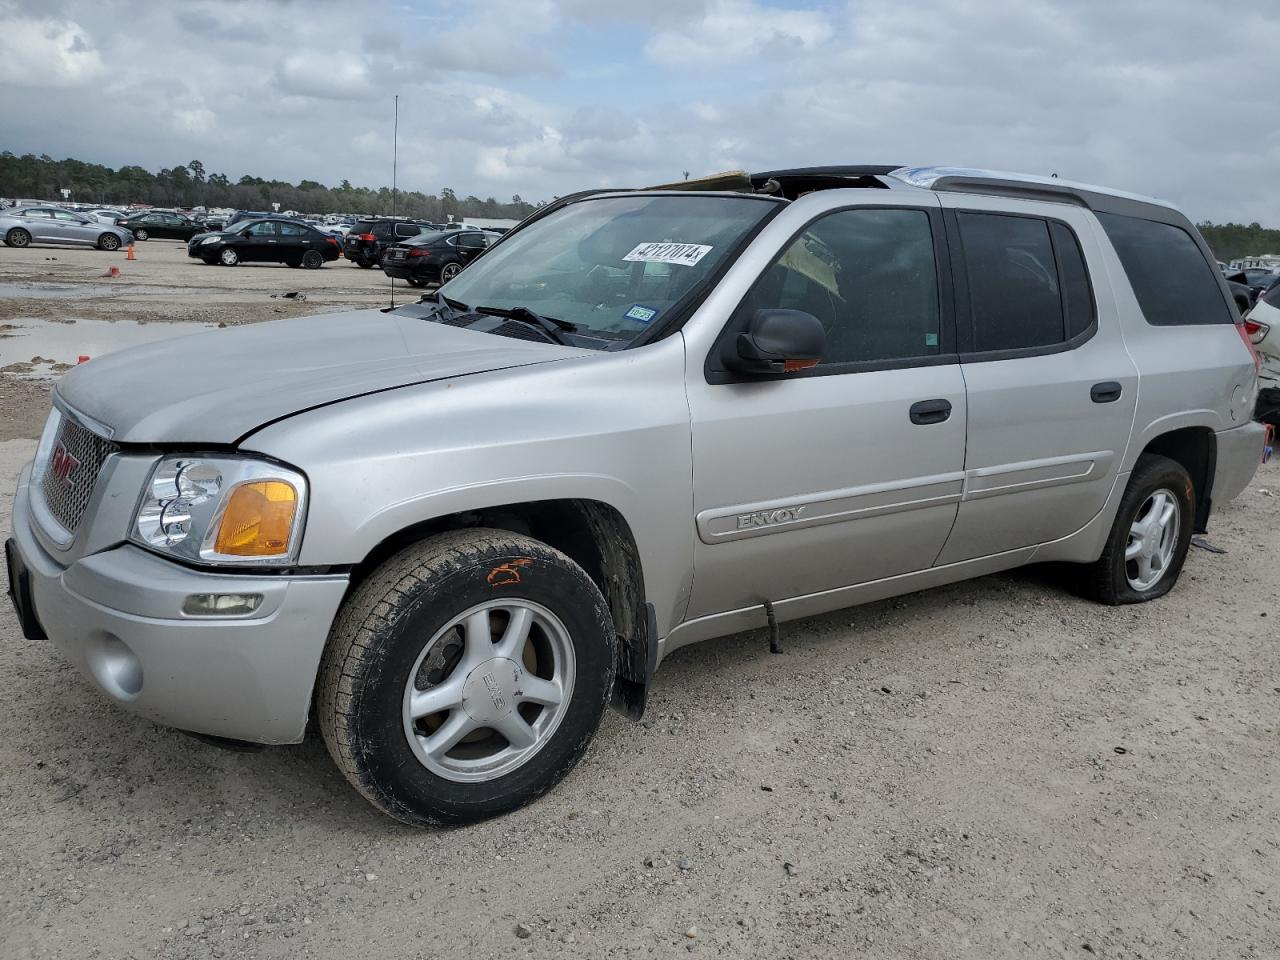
column 59, row 291
column 44, row 348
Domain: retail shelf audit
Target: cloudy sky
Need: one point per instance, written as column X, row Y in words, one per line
column 540, row 97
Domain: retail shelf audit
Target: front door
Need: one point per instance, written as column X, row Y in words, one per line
column 850, row 471
column 264, row 242
column 1051, row 388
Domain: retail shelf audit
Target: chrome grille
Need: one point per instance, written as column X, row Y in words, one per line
column 66, row 484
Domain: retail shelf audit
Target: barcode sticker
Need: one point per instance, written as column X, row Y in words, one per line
column 664, row 251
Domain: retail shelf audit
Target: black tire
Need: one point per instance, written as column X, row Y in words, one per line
column 313, row 259
column 365, row 264
column 380, row 634
column 1107, row 580
column 208, row 262
column 293, row 263
column 17, row 237
column 449, row 270
column 416, row 282
column 228, row 256
column 108, row 241
column 141, row 234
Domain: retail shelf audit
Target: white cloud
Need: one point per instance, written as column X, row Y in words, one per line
column 45, row 53
column 543, row 97
column 734, row 30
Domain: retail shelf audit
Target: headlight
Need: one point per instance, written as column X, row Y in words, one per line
column 209, row 240
column 222, row 510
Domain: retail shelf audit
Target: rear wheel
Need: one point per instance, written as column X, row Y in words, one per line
column 141, row 234
column 228, row 257
column 313, row 259
column 17, row 237
column 293, row 262
column 1150, row 537
column 449, row 271
column 365, row 263
column 465, row 677
column 108, row 241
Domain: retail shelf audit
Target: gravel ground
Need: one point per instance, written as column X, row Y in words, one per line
column 989, row 770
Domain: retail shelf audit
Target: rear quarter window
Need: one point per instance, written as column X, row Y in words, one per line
column 1174, row 283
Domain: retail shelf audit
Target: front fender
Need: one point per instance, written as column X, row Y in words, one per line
column 612, row 428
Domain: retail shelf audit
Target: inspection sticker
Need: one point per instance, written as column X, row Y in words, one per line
column 643, row 314
column 685, row 254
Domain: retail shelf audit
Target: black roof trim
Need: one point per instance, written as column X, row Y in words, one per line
column 865, row 170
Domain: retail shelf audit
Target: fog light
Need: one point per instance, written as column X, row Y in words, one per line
column 221, row 604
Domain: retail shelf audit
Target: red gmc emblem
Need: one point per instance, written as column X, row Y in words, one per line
column 63, row 465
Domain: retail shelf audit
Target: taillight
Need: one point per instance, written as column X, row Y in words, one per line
column 367, row 237
column 1255, row 330
column 333, row 240
column 1243, row 329
column 419, row 252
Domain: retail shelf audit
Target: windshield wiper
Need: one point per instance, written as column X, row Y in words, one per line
column 553, row 327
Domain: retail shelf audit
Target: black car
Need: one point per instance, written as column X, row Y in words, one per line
column 242, row 215
column 161, row 225
column 266, row 241
column 368, row 240
column 434, row 257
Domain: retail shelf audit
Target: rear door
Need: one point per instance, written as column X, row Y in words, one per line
column 39, row 222
column 1051, row 387
column 294, row 241
column 73, row 228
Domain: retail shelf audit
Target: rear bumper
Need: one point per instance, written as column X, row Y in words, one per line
column 407, row 270
column 1239, row 453
column 117, row 616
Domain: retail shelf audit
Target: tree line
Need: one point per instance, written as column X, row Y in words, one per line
column 190, row 185
column 1229, row 241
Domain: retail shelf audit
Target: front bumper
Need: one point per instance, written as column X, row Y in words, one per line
column 117, row 616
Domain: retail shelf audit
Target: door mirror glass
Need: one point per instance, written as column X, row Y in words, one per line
column 778, row 341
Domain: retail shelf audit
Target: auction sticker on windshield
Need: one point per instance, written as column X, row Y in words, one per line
column 685, row 254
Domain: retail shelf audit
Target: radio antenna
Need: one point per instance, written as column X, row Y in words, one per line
column 395, row 161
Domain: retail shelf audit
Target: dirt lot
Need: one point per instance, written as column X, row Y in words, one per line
column 994, row 769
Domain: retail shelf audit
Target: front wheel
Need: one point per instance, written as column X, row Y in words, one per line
column 313, row 259
column 141, row 235
column 108, row 241
column 17, row 237
column 228, row 257
column 1150, row 536
column 465, row 676
column 416, row 281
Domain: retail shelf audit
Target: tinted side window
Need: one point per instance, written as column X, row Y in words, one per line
column 1013, row 282
column 1077, row 294
column 869, row 276
column 1272, row 297
column 293, row 230
column 407, row 229
column 1174, row 283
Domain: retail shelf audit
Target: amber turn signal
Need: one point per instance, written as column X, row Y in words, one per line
column 258, row 520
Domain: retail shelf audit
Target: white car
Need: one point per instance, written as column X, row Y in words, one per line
column 1262, row 324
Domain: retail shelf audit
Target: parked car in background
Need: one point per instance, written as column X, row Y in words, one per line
column 105, row 215
column 368, row 240
column 210, row 222
column 241, row 215
column 48, row 224
column 1263, row 327
column 161, row 225
column 277, row 240
column 434, row 257
column 1244, row 295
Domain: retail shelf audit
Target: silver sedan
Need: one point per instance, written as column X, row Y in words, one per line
column 21, row 228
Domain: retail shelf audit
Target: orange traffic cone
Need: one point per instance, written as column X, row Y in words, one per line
column 131, row 256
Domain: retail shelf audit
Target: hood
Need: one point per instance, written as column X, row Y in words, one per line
column 217, row 386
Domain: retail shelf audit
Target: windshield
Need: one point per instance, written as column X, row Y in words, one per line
column 612, row 266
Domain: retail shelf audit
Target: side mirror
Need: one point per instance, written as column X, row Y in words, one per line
column 778, row 341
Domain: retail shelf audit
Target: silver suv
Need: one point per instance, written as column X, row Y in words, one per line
column 453, row 532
